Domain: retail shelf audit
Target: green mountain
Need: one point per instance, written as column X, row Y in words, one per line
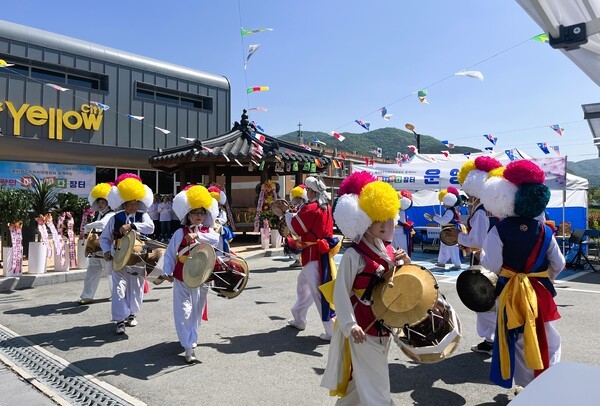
column 393, row 140
column 390, row 140
column 589, row 169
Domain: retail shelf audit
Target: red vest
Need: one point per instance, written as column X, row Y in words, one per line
column 178, row 271
column 312, row 224
column 363, row 312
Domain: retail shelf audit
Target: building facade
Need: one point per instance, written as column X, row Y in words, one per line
column 69, row 108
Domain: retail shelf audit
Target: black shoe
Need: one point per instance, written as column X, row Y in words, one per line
column 483, row 347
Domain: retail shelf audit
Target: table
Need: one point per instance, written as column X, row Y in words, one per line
column 432, row 233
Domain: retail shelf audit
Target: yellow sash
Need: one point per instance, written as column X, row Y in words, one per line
column 519, row 301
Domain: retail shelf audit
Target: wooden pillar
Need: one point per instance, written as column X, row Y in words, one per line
column 228, row 188
column 183, row 177
column 298, row 178
column 212, row 176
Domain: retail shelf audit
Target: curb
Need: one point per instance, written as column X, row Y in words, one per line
column 28, row 281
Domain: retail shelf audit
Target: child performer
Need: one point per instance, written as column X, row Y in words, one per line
column 197, row 211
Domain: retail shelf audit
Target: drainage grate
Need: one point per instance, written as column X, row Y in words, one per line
column 65, row 381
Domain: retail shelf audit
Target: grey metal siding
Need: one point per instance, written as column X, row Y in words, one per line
column 123, row 70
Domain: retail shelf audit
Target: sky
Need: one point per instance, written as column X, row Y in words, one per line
column 328, row 63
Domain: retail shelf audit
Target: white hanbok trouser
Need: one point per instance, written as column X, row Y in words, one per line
column 128, row 291
column 523, row 375
column 188, row 305
column 307, row 291
column 97, row 268
column 370, row 383
column 449, row 252
column 486, row 324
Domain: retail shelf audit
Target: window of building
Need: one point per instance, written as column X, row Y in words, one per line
column 166, row 183
column 104, row 175
column 169, row 96
column 149, row 179
column 45, row 72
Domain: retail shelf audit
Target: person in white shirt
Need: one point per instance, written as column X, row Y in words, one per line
column 164, row 212
column 97, row 266
column 155, row 216
column 131, row 198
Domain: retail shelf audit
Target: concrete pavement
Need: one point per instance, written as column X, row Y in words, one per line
column 247, row 354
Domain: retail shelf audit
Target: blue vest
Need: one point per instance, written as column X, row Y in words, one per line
column 120, row 219
column 519, row 236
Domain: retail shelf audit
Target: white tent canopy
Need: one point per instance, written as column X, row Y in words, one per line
column 427, row 174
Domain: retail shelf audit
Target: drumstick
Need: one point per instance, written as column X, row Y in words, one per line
column 391, row 281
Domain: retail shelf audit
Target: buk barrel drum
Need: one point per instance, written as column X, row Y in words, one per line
column 405, row 296
column 449, row 234
column 154, row 263
column 476, row 288
column 128, row 251
column 198, row 265
column 229, row 277
column 279, row 207
column 434, row 338
column 283, row 228
column 92, row 245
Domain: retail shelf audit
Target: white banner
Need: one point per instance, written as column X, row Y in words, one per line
column 76, row 179
column 440, row 174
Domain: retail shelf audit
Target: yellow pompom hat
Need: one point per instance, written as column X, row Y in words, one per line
column 100, row 191
column 128, row 187
column 363, row 200
column 299, row 191
column 195, row 197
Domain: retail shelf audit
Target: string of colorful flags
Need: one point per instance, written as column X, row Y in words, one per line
column 422, row 96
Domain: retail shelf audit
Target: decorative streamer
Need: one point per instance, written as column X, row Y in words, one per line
column 58, row 245
column 71, row 237
column 17, row 247
column 84, row 218
column 43, row 230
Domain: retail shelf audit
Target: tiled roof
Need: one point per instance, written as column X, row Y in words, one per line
column 236, row 144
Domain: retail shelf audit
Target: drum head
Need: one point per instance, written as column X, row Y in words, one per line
column 124, row 250
column 279, row 207
column 239, row 267
column 476, row 288
column 199, row 265
column 414, row 292
column 449, row 235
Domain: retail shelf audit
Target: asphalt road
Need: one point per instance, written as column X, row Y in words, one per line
column 247, row 354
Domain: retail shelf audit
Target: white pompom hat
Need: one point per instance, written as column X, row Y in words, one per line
column 362, row 201
column 194, row 197
column 128, row 187
column 100, row 191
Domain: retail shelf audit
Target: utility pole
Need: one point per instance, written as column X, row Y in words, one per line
column 300, row 137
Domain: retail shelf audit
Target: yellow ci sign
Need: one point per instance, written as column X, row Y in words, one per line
column 90, row 117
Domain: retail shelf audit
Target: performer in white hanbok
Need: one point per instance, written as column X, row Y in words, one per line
column 472, row 177
column 97, row 265
column 357, row 366
column 131, row 199
column 197, row 211
column 403, row 230
column 220, row 226
column 522, row 250
column 451, row 217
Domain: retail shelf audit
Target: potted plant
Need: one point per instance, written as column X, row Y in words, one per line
column 15, row 205
column 44, row 201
